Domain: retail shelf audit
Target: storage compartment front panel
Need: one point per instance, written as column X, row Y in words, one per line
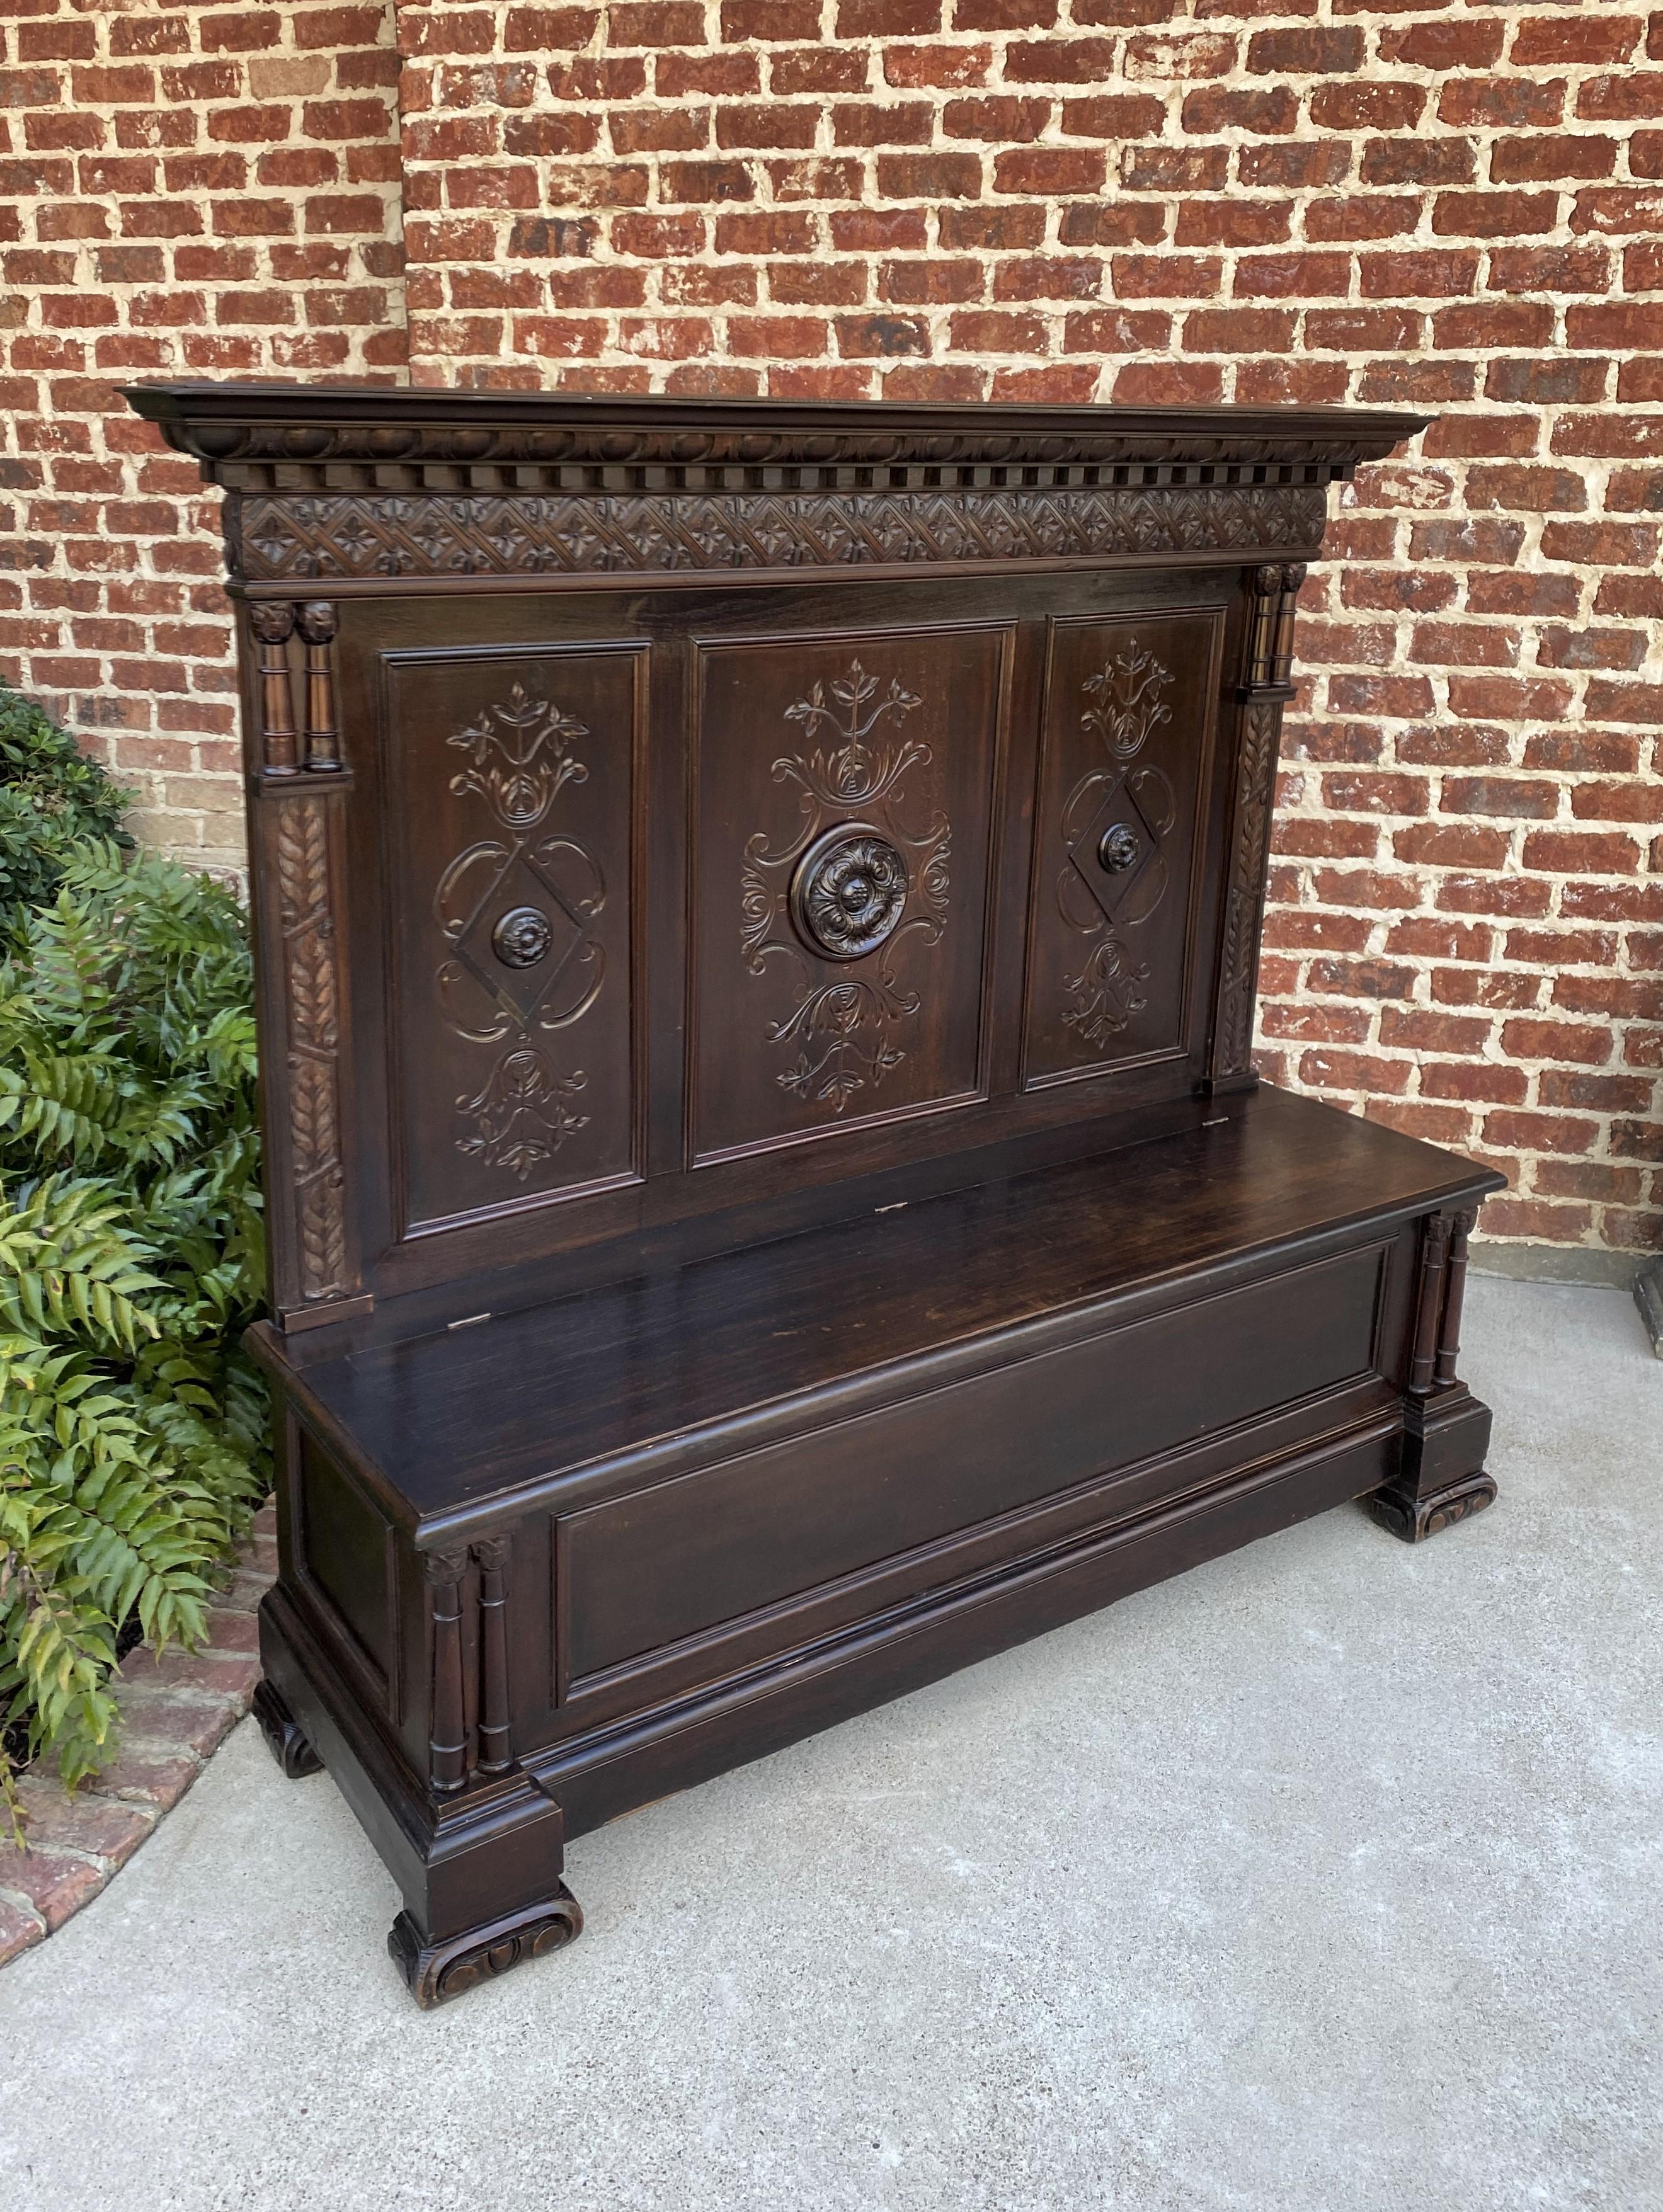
column 664, row 1564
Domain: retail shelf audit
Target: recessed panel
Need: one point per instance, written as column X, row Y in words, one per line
column 840, row 839
column 1128, row 728
column 509, row 781
column 647, row 1570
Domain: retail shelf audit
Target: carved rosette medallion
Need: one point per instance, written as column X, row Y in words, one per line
column 522, row 936
column 516, row 910
column 851, row 889
column 849, row 892
column 1113, row 823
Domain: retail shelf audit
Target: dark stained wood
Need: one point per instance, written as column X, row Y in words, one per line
column 1131, row 711
column 758, row 913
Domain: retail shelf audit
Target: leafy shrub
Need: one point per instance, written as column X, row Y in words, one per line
column 52, row 799
column 133, row 1432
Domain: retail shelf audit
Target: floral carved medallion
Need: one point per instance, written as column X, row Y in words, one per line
column 1113, row 823
column 857, row 881
column 517, row 909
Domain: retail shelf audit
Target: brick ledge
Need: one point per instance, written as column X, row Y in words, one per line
column 175, row 1711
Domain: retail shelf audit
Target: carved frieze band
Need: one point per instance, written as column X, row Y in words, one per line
column 311, row 986
column 271, row 538
column 468, row 1712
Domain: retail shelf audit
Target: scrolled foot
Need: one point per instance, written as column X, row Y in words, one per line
column 436, row 1972
column 287, row 1741
column 1416, row 1518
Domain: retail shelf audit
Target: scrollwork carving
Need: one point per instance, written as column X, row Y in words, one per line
column 845, row 1028
column 436, row 1972
column 1113, row 823
column 517, row 913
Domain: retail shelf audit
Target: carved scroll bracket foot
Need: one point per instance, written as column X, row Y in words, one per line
column 287, row 1741
column 1440, row 1478
column 436, row 1972
column 1414, row 1519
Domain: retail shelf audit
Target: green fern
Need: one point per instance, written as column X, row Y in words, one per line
column 133, row 1432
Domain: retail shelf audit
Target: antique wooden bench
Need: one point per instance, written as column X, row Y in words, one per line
column 758, row 910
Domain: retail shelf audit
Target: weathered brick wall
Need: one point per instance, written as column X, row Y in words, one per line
column 183, row 190
column 1380, row 201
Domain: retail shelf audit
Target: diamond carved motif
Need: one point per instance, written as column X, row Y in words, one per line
column 1113, row 824
column 517, row 911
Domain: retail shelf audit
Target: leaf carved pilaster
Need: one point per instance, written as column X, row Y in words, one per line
column 1265, row 687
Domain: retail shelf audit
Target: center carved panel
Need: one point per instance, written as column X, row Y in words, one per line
column 513, row 811
column 1130, row 706
column 841, row 881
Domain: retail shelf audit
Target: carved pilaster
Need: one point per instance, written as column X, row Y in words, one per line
column 496, row 1744
column 1449, row 1335
column 469, row 1722
column 311, row 980
column 316, row 623
column 273, row 625
column 450, row 1740
column 1441, row 1479
column 1265, row 687
column 1429, row 1306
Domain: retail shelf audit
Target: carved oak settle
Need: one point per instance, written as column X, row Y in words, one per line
column 758, row 910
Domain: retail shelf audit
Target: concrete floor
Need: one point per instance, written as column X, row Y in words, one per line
column 1325, row 1879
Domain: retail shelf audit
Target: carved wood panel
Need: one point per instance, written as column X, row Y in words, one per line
column 843, row 799
column 426, row 534
column 1130, row 706
column 509, row 783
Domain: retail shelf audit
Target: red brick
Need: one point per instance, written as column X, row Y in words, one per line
column 879, row 19
column 1019, row 121
column 1355, row 1072
column 1225, row 222
column 1062, row 61
column 21, row 1928
column 1520, row 160
column 908, row 66
column 928, row 176
column 1577, row 1041
column 1417, row 162
column 1482, row 1082
column 1445, row 46
column 1368, row 105
column 1310, row 51
column 1048, row 169
column 1582, row 40
column 1540, row 1133
column 1273, row 111
column 54, row 1884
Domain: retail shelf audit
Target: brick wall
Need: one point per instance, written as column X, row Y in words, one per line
column 183, row 190
column 1392, row 201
